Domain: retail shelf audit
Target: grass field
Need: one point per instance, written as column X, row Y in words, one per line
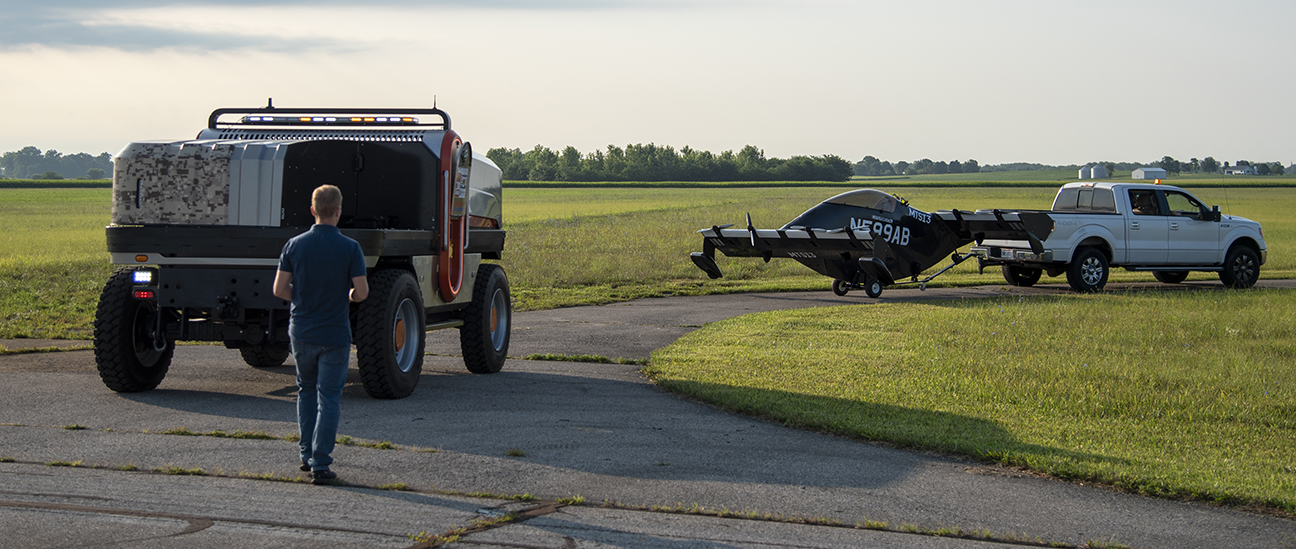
column 1175, row 394
column 565, row 246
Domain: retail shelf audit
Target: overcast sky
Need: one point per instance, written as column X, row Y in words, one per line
column 1056, row 82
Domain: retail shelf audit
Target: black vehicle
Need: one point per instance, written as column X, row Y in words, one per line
column 870, row 239
column 197, row 227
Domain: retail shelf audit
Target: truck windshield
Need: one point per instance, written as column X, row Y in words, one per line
column 1085, row 199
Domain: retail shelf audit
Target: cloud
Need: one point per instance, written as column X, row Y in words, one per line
column 143, row 25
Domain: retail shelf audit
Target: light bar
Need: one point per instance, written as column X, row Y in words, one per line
column 142, row 277
column 329, row 120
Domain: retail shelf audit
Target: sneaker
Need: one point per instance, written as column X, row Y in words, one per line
column 305, row 467
column 323, row 476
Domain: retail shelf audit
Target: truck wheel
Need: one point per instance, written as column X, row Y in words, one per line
column 1087, row 271
column 873, row 287
column 124, row 350
column 265, row 355
column 1021, row 276
column 389, row 335
column 840, row 287
column 1241, row 268
column 1170, row 277
column 488, row 320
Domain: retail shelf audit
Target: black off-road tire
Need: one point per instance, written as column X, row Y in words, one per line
column 1021, row 276
column 389, row 335
column 1170, row 277
column 265, row 355
column 488, row 321
column 840, row 287
column 1241, row 267
column 124, row 352
column 1088, row 270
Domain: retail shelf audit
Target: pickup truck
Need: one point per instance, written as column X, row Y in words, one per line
column 1139, row 227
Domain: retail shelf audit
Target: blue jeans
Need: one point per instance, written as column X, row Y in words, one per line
column 321, row 373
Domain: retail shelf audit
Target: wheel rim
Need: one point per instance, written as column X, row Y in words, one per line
column 876, row 287
column 1243, row 268
column 405, row 330
column 142, row 328
column 1091, row 271
column 499, row 319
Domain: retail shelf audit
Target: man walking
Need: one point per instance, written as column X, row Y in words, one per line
column 321, row 271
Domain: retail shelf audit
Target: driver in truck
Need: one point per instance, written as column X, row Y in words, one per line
column 1145, row 203
column 321, row 271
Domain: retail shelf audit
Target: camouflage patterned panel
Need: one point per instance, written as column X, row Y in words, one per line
column 176, row 183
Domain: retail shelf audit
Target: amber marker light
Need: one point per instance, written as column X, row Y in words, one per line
column 141, row 258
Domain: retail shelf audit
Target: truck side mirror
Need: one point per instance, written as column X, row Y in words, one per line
column 1215, row 213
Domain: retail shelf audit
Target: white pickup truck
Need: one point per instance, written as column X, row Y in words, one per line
column 1140, row 227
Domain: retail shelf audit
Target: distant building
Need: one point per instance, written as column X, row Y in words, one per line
column 1093, row 172
column 1149, row 173
column 1241, row 170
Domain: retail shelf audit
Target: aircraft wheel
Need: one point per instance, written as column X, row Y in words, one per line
column 873, row 287
column 840, row 287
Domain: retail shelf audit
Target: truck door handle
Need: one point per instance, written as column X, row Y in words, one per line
column 1134, row 225
column 1174, row 226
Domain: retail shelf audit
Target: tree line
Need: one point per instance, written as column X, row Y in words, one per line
column 1210, row 165
column 31, row 163
column 871, row 166
column 663, row 163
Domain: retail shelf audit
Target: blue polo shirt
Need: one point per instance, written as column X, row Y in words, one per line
column 322, row 261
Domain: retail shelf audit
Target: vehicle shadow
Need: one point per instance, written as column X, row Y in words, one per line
column 900, row 426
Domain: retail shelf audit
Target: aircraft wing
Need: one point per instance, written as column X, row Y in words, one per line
column 801, row 244
column 1030, row 226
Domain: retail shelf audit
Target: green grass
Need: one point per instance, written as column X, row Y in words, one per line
column 1178, row 394
column 565, row 246
column 55, row 183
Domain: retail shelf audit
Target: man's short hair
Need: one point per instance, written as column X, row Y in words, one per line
column 327, row 201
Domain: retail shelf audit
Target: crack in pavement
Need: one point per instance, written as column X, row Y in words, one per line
column 197, row 523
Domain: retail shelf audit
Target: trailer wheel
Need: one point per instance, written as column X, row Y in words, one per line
column 840, row 287
column 1241, row 267
column 1021, row 276
column 873, row 287
column 265, row 355
column 488, row 320
column 389, row 335
column 1088, row 270
column 1170, row 277
column 124, row 349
